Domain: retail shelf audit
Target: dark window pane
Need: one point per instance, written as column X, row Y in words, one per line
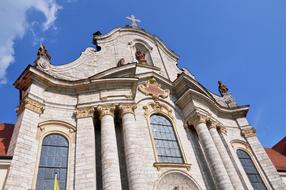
column 250, row 170
column 53, row 160
column 165, row 140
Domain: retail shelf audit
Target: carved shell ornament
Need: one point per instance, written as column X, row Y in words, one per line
column 43, row 60
column 153, row 88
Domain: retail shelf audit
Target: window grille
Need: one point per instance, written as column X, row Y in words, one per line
column 53, row 161
column 250, row 170
column 165, row 139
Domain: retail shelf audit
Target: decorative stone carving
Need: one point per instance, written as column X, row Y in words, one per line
column 127, row 108
column 198, row 118
column 30, row 104
column 248, row 132
column 140, row 57
column 84, row 112
column 176, row 181
column 43, row 58
column 222, row 129
column 214, row 124
column 121, row 62
column 223, row 90
column 106, row 110
column 42, row 52
column 153, row 88
column 157, row 107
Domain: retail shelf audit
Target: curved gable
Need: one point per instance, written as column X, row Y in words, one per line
column 118, row 48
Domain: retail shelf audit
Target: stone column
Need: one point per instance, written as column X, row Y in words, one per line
column 85, row 168
column 109, row 153
column 224, row 155
column 217, row 168
column 24, row 145
column 130, row 146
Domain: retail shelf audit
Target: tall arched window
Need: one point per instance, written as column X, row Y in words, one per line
column 250, row 170
column 53, row 161
column 165, row 139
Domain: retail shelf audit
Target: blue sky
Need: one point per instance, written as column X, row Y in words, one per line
column 242, row 43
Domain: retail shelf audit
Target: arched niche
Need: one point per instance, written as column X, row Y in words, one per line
column 176, row 180
column 146, row 50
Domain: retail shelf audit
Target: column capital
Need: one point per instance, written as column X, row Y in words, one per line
column 30, row 104
column 127, row 108
column 218, row 126
column 198, row 118
column 222, row 129
column 212, row 124
column 84, row 112
column 248, row 132
column 106, row 110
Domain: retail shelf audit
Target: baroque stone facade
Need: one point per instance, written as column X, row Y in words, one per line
column 132, row 120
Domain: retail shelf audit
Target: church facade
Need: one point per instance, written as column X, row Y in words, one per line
column 124, row 116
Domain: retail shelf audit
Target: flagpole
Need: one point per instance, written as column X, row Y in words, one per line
column 56, row 184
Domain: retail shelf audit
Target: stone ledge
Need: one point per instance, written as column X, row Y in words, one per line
column 160, row 165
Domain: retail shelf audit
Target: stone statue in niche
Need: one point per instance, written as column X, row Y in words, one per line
column 43, row 58
column 223, row 90
column 140, row 57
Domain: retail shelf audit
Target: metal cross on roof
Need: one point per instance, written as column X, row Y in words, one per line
column 133, row 20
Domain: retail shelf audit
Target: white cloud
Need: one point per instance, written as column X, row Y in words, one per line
column 14, row 24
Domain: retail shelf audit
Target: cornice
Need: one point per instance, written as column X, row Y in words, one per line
column 114, row 70
column 186, row 79
column 30, row 104
column 31, row 72
column 240, row 111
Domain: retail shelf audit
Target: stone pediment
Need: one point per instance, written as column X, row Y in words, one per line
column 185, row 82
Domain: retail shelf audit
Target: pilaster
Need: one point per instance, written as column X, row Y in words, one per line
column 24, row 145
column 85, row 168
column 270, row 172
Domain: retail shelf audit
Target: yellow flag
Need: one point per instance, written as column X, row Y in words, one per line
column 56, row 185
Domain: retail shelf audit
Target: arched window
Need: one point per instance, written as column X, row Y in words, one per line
column 53, row 161
column 250, row 170
column 143, row 49
column 165, row 139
